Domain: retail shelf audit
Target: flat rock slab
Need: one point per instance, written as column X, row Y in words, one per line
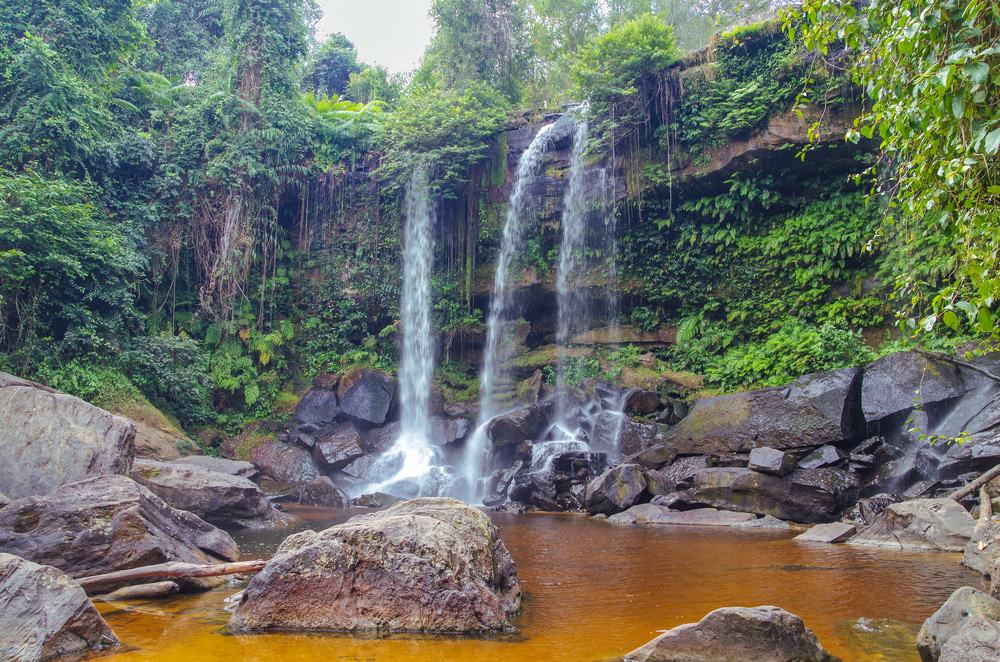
column 222, row 465
column 648, row 513
column 51, row 439
column 425, row 565
column 45, row 615
column 833, row 532
column 927, row 524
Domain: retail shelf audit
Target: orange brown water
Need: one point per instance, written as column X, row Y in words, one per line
column 594, row 592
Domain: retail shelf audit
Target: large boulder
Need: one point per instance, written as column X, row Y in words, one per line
column 222, row 499
column 894, row 383
column 285, row 463
column 805, row 495
column 426, row 565
column 45, row 615
column 446, row 430
column 366, row 395
column 736, row 634
column 317, row 408
column 664, row 481
column 966, row 609
column 983, row 547
column 51, row 439
column 524, row 424
column 106, row 524
column 616, row 489
column 930, row 524
column 322, row 492
column 338, row 447
column 222, row 465
column 817, row 409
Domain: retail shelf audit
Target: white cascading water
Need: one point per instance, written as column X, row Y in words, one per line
column 501, row 304
column 572, row 310
column 413, row 457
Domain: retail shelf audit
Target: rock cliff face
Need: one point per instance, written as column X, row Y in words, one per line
column 51, row 439
column 426, row 565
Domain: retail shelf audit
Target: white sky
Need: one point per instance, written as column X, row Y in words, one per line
column 392, row 33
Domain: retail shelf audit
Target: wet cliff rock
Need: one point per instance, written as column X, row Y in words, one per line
column 45, row 615
column 51, row 439
column 426, row 565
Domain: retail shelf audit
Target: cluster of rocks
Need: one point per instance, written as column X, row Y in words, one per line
column 849, row 441
column 79, row 504
column 338, row 434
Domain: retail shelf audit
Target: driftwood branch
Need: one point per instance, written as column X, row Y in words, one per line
column 985, row 510
column 984, row 478
column 161, row 571
column 963, row 364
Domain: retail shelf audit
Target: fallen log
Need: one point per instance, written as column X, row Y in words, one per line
column 962, row 364
column 984, row 478
column 161, row 571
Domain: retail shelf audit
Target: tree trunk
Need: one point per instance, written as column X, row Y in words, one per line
column 145, row 574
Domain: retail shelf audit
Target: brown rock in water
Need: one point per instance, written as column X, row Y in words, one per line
column 931, row 524
column 338, row 447
column 966, row 608
column 106, row 524
column 425, row 565
column 736, row 634
column 616, row 489
column 322, row 492
column 45, row 615
column 51, row 439
column 222, row 499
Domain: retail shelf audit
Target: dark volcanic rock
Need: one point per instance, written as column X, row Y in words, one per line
column 105, row 524
column 654, row 457
column 967, row 608
column 322, row 492
column 51, row 439
column 616, row 433
column 892, row 383
column 665, row 480
column 366, row 395
column 817, row 409
column 446, row 430
column 222, row 499
column 805, row 495
column 535, row 489
column 771, row 461
column 616, row 489
column 642, row 403
column 318, row 407
column 932, row 524
column 338, row 447
column 45, row 615
column 426, row 565
column 221, row 464
column 736, row 634
column 524, row 424
column 285, row 463
column 824, row 456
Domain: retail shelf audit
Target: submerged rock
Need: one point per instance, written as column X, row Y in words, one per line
column 51, row 439
column 426, row 565
column 824, row 408
column 45, row 615
column 648, row 513
column 222, row 499
column 109, row 523
column 736, row 634
column 805, row 495
column 932, row 524
column 967, row 621
column 616, row 489
column 366, row 395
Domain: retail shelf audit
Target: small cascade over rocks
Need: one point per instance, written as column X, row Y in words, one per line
column 501, row 310
column 412, row 466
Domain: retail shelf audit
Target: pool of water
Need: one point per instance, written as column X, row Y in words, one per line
column 594, row 591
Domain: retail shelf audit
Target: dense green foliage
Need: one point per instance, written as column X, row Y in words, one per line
column 932, row 72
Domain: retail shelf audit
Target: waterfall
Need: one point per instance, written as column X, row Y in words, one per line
column 501, row 309
column 413, row 457
column 572, row 310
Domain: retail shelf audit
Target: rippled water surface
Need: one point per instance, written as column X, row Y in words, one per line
column 594, row 592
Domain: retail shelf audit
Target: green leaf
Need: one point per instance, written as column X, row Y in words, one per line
column 985, row 320
column 951, row 319
column 993, row 141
